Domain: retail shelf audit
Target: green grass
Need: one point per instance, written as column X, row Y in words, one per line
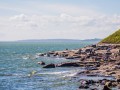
column 112, row 39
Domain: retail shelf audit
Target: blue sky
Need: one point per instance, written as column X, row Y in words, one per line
column 53, row 19
column 104, row 6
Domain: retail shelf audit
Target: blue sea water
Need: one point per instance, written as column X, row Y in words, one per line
column 19, row 69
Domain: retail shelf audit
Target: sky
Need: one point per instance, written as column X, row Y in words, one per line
column 58, row 19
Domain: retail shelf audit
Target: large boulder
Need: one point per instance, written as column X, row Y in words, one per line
column 69, row 64
column 49, row 66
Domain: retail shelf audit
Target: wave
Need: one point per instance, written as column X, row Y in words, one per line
column 25, row 57
column 55, row 73
column 12, row 75
column 61, row 73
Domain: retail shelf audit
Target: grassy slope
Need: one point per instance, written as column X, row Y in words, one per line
column 112, row 39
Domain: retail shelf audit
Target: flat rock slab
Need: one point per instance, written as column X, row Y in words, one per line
column 49, row 66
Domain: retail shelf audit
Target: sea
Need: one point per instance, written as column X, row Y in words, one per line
column 19, row 68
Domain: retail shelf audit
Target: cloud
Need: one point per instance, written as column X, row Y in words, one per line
column 20, row 17
column 58, row 26
column 45, row 8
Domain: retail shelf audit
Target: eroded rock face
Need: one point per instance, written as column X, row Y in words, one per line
column 49, row 66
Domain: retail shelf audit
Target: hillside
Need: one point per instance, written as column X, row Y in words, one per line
column 113, row 38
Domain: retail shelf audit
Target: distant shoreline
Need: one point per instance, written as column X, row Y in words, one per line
column 56, row 40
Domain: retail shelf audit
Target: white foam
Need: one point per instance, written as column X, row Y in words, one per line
column 70, row 75
column 25, row 58
column 55, row 73
column 62, row 73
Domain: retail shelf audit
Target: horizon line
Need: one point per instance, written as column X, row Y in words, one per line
column 47, row 39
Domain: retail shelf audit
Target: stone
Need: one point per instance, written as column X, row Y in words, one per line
column 112, row 73
column 69, row 57
column 118, row 80
column 91, row 68
column 41, row 63
column 41, row 54
column 49, row 66
column 83, row 87
column 83, row 84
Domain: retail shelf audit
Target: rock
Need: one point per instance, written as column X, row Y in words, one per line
column 51, row 52
column 107, row 85
column 73, row 57
column 78, row 52
column 41, row 63
column 98, row 65
column 41, row 54
column 118, row 80
column 83, row 87
column 55, row 54
column 108, row 53
column 92, row 82
column 65, row 55
column 77, row 56
column 118, row 63
column 102, row 82
column 94, row 46
column 83, row 84
column 94, row 89
column 92, row 75
column 112, row 73
column 117, row 67
column 87, row 72
column 70, row 57
column 69, row 64
column 48, row 54
column 114, row 84
column 82, row 73
column 108, row 70
column 118, row 87
column 49, row 66
column 91, row 68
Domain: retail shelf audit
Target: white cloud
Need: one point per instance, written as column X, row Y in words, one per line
column 60, row 26
column 44, row 8
column 20, row 17
column 42, row 20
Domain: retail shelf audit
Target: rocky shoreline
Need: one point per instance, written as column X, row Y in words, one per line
column 99, row 59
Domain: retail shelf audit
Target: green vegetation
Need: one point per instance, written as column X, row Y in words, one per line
column 112, row 39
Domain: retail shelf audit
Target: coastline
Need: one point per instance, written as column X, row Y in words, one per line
column 98, row 59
